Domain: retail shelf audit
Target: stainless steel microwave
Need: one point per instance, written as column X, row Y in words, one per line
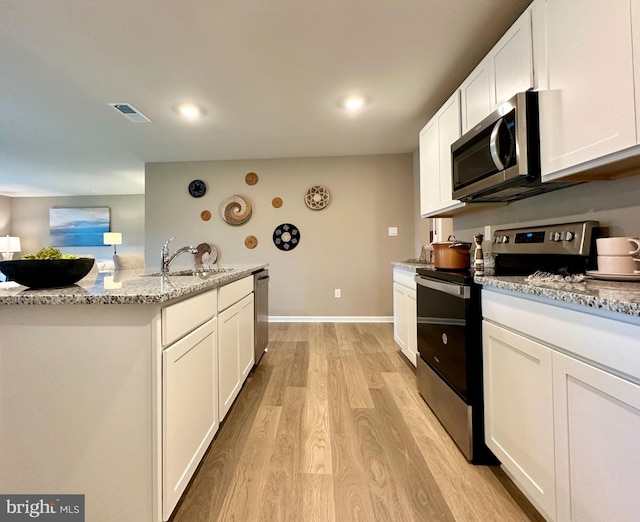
column 499, row 159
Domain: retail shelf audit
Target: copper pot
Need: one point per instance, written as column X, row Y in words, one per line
column 451, row 255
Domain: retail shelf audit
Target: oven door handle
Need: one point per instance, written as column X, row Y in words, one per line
column 461, row 291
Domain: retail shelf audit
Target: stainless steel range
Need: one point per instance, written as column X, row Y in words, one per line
column 449, row 318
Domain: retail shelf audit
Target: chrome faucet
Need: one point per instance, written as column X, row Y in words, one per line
column 167, row 259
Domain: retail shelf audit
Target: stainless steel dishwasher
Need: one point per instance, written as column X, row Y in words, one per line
column 261, row 296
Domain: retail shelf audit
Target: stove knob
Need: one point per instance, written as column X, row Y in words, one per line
column 497, row 239
column 569, row 236
column 556, row 236
column 505, row 239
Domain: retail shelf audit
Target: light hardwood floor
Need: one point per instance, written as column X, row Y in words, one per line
column 330, row 427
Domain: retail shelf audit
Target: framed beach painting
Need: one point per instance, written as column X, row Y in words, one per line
column 78, row 226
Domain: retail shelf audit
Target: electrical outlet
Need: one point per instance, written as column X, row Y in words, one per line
column 393, row 231
column 337, row 293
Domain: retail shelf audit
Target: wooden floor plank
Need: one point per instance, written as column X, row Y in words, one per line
column 351, row 496
column 299, row 365
column 275, row 501
column 251, row 468
column 315, row 451
column 313, row 498
column 357, row 388
column 424, row 497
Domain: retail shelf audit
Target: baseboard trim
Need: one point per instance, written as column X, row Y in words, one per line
column 330, row 319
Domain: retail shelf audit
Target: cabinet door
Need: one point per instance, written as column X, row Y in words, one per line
column 448, row 132
column 583, row 59
column 519, row 412
column 400, row 319
column 475, row 96
column 435, row 159
column 597, row 429
column 512, row 62
column 429, row 168
column 228, row 358
column 189, row 409
column 411, row 348
column 246, row 336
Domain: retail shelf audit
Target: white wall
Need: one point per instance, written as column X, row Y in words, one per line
column 345, row 246
column 30, row 221
column 5, row 215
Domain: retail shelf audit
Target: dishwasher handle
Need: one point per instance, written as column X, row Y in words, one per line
column 461, row 291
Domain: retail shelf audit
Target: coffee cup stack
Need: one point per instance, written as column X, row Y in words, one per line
column 617, row 255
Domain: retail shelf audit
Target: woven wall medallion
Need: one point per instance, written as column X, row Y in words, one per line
column 276, row 202
column 235, row 210
column 317, row 197
column 251, row 178
column 205, row 215
column 197, row 188
column 286, row 237
column 251, row 242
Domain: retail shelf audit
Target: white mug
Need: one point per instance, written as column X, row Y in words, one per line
column 618, row 246
column 617, row 264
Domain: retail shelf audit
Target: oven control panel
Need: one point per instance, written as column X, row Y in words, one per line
column 563, row 238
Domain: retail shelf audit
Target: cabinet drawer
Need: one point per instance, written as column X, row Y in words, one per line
column 404, row 277
column 233, row 292
column 180, row 318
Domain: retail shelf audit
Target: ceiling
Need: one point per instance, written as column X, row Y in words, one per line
column 269, row 74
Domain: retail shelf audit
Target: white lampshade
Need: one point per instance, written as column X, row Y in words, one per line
column 112, row 238
column 9, row 245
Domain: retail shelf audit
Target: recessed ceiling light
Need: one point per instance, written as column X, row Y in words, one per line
column 190, row 111
column 354, row 103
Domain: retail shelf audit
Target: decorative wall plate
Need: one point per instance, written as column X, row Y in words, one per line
column 276, row 202
column 197, row 188
column 205, row 215
column 251, row 242
column 207, row 254
column 286, row 237
column 317, row 197
column 235, row 210
column 251, row 178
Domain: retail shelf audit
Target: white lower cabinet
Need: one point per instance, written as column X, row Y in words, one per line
column 518, row 407
column 189, row 408
column 235, row 354
column 562, row 406
column 405, row 313
column 597, row 431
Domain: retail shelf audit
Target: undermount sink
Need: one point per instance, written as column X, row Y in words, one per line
column 200, row 271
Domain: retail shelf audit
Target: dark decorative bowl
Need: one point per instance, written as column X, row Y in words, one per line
column 46, row 273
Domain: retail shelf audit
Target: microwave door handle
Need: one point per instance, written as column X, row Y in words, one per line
column 494, row 144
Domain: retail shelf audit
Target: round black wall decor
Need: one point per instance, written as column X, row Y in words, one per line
column 286, row 237
column 197, row 188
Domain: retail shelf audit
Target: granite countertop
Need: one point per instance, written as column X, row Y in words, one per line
column 598, row 295
column 412, row 264
column 135, row 286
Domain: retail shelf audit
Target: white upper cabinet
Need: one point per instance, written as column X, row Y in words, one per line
column 505, row 71
column 435, row 160
column 583, row 56
column 475, row 93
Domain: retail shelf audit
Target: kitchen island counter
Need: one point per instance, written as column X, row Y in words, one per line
column 134, row 286
column 88, row 393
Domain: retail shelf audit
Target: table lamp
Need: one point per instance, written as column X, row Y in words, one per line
column 112, row 238
column 8, row 246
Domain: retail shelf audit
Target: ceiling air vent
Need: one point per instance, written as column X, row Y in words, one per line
column 130, row 112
